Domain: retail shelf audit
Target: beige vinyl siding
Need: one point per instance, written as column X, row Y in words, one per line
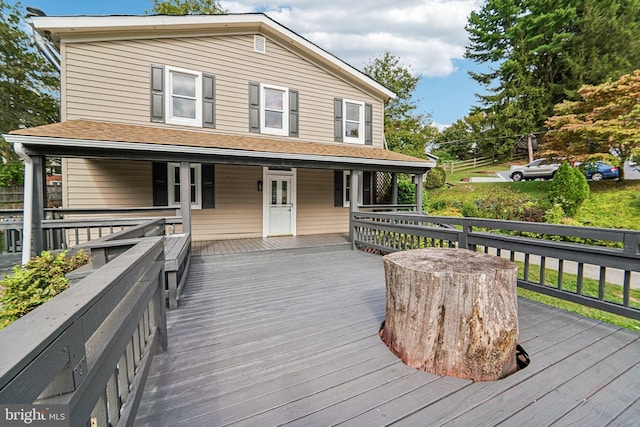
column 110, row 81
column 316, row 213
column 238, row 211
column 106, row 183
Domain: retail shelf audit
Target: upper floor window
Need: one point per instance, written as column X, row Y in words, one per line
column 182, row 97
column 273, row 109
column 353, row 121
column 184, row 100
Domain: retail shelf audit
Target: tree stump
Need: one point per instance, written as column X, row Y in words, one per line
column 452, row 312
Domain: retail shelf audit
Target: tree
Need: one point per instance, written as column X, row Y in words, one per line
column 606, row 120
column 465, row 136
column 28, row 83
column 542, row 52
column 405, row 130
column 187, row 7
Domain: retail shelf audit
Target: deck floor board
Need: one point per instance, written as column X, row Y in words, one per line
column 271, row 337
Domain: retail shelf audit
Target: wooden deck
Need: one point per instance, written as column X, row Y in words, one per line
column 225, row 247
column 290, row 337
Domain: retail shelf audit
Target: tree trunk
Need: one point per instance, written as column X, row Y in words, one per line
column 452, row 312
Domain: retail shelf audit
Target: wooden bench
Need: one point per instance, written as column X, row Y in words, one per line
column 177, row 258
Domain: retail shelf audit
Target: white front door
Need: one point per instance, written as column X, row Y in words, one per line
column 279, row 204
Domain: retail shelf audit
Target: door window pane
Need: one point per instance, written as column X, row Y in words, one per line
column 274, row 192
column 284, row 192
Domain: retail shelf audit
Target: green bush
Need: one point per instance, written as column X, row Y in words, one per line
column 38, row 281
column 505, row 205
column 568, row 189
column 436, row 178
column 406, row 191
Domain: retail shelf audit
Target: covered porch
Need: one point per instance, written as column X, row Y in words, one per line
column 258, row 178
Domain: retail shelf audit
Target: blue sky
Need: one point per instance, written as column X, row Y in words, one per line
column 427, row 35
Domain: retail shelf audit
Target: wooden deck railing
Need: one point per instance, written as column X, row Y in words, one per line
column 91, row 224
column 541, row 248
column 90, row 348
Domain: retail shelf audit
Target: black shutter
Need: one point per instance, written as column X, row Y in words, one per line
column 208, row 101
column 254, row 107
column 160, row 184
column 366, row 188
column 157, row 93
column 208, row 187
column 338, row 133
column 368, row 124
column 293, row 113
column 338, row 188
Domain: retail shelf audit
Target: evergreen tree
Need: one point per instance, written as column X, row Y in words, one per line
column 543, row 51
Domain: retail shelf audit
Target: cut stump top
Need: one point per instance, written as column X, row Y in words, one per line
column 458, row 261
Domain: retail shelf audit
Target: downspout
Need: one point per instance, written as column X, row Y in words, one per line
column 27, row 215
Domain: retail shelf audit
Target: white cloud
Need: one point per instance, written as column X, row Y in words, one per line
column 427, row 35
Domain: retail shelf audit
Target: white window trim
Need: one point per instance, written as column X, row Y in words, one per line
column 346, row 184
column 360, row 139
column 170, row 119
column 171, row 184
column 285, row 111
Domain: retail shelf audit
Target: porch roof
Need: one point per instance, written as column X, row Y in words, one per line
column 88, row 138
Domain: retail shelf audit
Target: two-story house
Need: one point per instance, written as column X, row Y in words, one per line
column 270, row 131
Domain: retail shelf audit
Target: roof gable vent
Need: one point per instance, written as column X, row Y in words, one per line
column 259, row 44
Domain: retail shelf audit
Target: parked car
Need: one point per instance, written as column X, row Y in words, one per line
column 597, row 171
column 541, row 168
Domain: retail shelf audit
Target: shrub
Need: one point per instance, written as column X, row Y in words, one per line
column 568, row 189
column 436, row 178
column 554, row 215
column 38, row 281
column 505, row 205
column 406, row 191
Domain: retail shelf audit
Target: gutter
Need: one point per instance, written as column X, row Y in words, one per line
column 27, row 215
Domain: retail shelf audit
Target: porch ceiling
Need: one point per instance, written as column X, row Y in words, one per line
column 87, row 138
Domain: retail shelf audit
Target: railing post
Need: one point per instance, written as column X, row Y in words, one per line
column 185, row 196
column 631, row 243
column 38, row 203
column 417, row 180
column 463, row 238
column 353, row 204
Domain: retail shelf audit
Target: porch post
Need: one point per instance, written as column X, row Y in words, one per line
column 353, row 202
column 418, row 181
column 394, row 188
column 185, row 196
column 38, row 202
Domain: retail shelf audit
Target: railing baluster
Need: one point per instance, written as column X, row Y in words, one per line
column 580, row 278
column 526, row 267
column 626, row 291
column 113, row 400
column 542, row 269
column 602, row 283
column 560, row 273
